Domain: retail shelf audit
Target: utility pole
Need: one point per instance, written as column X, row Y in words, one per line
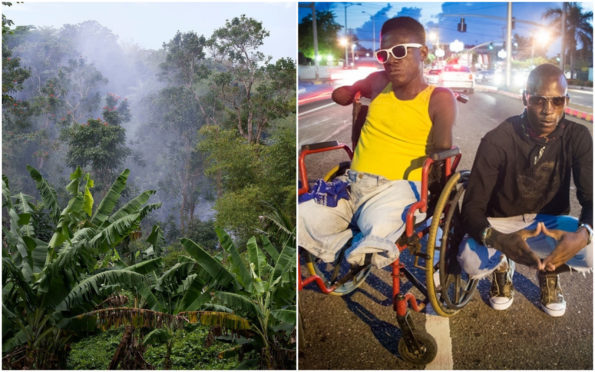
column 563, row 38
column 315, row 41
column 346, row 33
column 508, row 43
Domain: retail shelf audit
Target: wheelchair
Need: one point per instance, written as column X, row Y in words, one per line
column 432, row 242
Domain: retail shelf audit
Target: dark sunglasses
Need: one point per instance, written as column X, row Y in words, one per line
column 398, row 51
column 557, row 101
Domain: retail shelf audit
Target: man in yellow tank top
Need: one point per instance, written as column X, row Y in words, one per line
column 407, row 119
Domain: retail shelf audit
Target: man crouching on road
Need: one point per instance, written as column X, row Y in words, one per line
column 517, row 200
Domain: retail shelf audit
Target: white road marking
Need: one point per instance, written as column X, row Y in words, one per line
column 341, row 128
column 317, row 108
column 439, row 327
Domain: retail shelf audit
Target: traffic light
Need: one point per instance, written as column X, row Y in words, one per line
column 512, row 23
column 491, row 46
column 462, row 26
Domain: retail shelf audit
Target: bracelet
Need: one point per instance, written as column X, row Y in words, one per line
column 589, row 230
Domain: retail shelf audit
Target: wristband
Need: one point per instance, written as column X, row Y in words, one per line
column 589, row 230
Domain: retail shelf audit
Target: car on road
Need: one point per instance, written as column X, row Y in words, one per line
column 433, row 76
column 457, row 77
column 485, row 76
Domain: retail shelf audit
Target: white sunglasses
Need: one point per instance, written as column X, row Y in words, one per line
column 398, row 51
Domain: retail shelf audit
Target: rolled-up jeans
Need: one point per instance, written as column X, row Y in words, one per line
column 377, row 207
column 479, row 261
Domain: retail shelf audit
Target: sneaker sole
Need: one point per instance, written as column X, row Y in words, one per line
column 500, row 305
column 553, row 313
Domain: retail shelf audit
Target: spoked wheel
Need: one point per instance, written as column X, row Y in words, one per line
column 455, row 288
column 339, row 273
column 425, row 353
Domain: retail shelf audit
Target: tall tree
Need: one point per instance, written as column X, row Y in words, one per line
column 237, row 47
column 181, row 110
column 578, row 28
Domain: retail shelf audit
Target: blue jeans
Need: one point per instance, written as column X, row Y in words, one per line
column 479, row 261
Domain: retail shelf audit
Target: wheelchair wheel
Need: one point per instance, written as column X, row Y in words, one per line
column 455, row 288
column 339, row 273
column 425, row 355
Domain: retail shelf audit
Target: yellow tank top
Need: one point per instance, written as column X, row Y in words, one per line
column 394, row 137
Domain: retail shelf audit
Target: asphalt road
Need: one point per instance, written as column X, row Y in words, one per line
column 359, row 331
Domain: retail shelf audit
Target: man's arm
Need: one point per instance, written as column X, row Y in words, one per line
column 582, row 171
column 483, row 179
column 443, row 112
column 570, row 243
column 368, row 87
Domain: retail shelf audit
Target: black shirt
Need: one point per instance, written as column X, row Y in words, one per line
column 514, row 173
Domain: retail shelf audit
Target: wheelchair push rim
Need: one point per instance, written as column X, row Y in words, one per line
column 455, row 287
column 334, row 273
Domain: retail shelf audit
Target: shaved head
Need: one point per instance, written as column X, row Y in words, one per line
column 545, row 73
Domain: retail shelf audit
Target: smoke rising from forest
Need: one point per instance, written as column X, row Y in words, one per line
column 80, row 65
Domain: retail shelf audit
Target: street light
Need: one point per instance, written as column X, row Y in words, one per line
column 542, row 37
column 344, row 42
column 435, row 39
column 373, row 30
column 346, row 32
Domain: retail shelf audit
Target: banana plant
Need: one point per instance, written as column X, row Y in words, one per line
column 259, row 287
column 46, row 283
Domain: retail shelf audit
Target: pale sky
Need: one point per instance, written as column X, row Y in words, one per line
column 150, row 24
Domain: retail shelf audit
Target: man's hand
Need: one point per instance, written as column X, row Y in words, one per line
column 515, row 246
column 569, row 244
column 344, row 95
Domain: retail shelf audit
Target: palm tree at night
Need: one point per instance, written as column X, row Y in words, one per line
column 578, row 28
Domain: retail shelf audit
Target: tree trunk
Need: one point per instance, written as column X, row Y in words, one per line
column 120, row 353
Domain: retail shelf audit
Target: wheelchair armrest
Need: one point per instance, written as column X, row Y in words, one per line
column 319, row 145
column 437, row 156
